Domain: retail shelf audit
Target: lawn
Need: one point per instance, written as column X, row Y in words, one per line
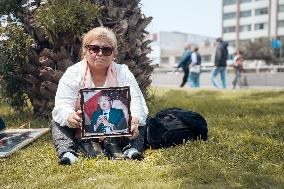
column 245, row 148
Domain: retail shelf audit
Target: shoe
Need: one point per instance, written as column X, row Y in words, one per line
column 64, row 161
column 133, row 154
column 137, row 156
column 68, row 159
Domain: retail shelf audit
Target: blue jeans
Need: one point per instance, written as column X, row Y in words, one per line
column 223, row 74
column 194, row 79
column 237, row 78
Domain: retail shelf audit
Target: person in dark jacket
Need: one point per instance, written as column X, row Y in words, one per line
column 221, row 57
column 184, row 63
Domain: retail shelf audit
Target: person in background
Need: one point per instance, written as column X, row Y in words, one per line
column 195, row 69
column 220, row 62
column 184, row 63
column 96, row 69
column 238, row 67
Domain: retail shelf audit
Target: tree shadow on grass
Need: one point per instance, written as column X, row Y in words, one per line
column 14, row 119
column 261, row 95
column 181, row 99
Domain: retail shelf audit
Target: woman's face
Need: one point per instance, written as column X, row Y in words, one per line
column 99, row 54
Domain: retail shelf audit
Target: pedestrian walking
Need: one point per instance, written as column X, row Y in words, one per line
column 184, row 63
column 220, row 62
column 238, row 68
column 195, row 69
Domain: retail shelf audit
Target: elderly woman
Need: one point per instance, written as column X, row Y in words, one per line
column 96, row 69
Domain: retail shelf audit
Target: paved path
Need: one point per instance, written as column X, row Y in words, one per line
column 173, row 79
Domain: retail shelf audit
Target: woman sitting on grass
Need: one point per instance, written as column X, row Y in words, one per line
column 96, row 69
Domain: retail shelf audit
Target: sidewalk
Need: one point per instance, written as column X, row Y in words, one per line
column 253, row 80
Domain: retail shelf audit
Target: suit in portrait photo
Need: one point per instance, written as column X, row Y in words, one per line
column 107, row 119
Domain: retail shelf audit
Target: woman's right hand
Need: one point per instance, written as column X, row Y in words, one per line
column 75, row 119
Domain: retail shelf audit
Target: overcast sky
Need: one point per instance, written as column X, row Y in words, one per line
column 201, row 17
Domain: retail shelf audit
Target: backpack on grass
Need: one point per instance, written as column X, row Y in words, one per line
column 174, row 126
column 2, row 124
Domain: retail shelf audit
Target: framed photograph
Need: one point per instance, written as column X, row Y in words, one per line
column 106, row 112
column 11, row 140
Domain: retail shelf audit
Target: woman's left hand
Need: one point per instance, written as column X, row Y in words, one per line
column 134, row 127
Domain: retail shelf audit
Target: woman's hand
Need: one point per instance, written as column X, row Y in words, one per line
column 75, row 119
column 134, row 127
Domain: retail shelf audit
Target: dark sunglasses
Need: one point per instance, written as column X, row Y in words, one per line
column 107, row 51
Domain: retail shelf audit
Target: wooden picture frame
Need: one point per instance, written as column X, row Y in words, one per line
column 105, row 112
column 11, row 140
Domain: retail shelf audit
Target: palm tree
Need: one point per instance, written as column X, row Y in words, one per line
column 48, row 41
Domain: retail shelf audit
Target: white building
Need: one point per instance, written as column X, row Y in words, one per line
column 244, row 20
column 168, row 47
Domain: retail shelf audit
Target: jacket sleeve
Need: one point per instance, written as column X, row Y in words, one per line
column 66, row 96
column 184, row 59
column 121, row 121
column 218, row 56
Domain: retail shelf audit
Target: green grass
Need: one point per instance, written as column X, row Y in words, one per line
column 245, row 148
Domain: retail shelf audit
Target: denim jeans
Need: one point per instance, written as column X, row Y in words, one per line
column 223, row 74
column 185, row 76
column 237, row 78
column 193, row 79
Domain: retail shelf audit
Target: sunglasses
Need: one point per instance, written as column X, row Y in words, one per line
column 107, row 51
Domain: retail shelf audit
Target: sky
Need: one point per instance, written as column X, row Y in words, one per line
column 202, row 17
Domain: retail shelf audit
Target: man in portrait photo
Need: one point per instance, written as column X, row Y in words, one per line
column 107, row 119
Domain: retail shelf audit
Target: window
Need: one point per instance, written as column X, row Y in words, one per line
column 245, row 28
column 165, row 59
column 261, row 11
column 281, row 8
column 177, row 58
column 260, row 26
column 229, row 29
column 280, row 23
column 229, row 15
column 245, row 13
column 245, row 1
column 229, row 2
column 206, row 58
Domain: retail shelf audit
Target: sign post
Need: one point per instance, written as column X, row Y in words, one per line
column 276, row 44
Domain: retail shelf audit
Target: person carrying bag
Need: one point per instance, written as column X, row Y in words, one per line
column 195, row 69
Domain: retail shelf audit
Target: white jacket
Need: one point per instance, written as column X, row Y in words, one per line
column 70, row 84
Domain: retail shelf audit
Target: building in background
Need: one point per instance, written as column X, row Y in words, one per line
column 245, row 20
column 168, row 47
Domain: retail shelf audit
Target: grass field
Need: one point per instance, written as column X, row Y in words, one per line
column 245, row 148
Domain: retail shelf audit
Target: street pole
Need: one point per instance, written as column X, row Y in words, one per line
column 280, row 51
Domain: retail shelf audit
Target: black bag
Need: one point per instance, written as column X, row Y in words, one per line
column 174, row 126
column 2, row 124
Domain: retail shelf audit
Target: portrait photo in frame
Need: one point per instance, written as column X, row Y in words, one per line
column 105, row 112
